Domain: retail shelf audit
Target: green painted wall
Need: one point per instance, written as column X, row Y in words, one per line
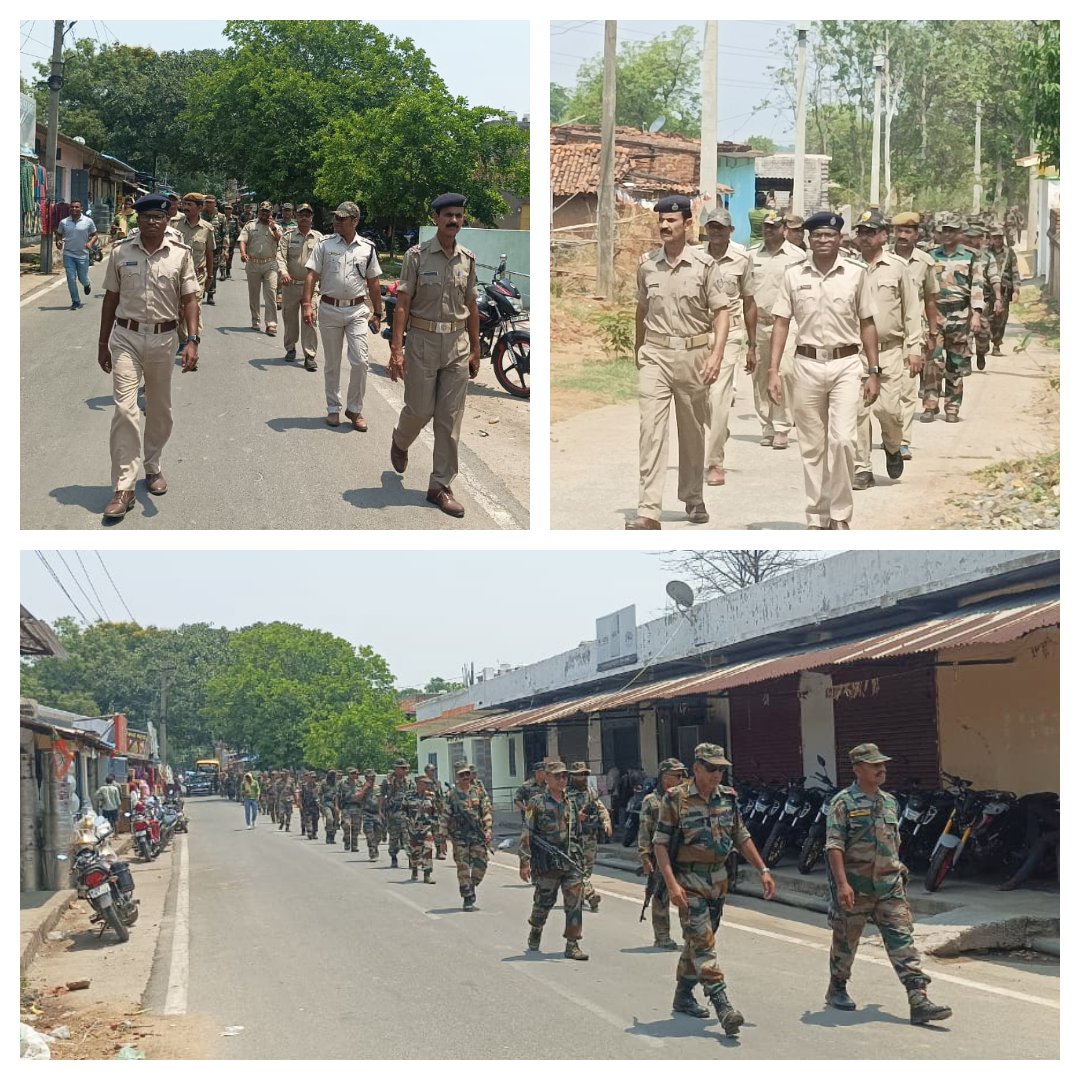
column 488, row 245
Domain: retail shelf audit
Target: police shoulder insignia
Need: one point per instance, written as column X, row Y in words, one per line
column 466, row 252
column 414, row 249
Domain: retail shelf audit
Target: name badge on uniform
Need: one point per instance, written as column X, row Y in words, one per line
column 131, row 262
column 430, row 273
column 860, row 813
column 801, row 287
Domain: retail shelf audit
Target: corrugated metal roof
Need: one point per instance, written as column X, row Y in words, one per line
column 980, row 627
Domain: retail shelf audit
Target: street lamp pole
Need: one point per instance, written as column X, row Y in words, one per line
column 875, row 156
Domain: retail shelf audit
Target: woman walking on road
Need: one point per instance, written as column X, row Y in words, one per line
column 249, row 791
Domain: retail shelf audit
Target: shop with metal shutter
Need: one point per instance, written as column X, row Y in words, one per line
column 766, row 730
column 892, row 703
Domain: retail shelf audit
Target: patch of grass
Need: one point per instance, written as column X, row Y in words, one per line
column 391, row 266
column 613, row 380
column 617, row 332
column 1040, row 317
column 1037, row 478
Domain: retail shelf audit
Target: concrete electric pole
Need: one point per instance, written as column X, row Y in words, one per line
column 798, row 189
column 976, row 198
column 605, row 201
column 875, row 154
column 56, row 80
column 707, row 168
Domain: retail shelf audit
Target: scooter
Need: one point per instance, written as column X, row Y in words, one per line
column 100, row 878
column 143, row 832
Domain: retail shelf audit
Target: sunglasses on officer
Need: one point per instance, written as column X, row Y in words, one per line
column 708, row 766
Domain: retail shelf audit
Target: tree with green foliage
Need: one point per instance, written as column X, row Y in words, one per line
column 438, row 685
column 559, row 99
column 1040, row 68
column 762, row 143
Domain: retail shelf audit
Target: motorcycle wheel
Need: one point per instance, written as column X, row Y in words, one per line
column 810, row 853
column 940, row 865
column 511, row 361
column 773, row 851
column 144, row 850
column 112, row 917
column 129, row 913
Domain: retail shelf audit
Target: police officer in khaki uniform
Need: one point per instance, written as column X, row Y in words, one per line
column 347, row 270
column 794, row 230
column 735, row 266
column 681, row 329
column 148, row 279
column 258, row 251
column 436, row 300
column 899, row 337
column 199, row 236
column 770, row 262
column 294, row 249
column 921, row 269
column 832, row 302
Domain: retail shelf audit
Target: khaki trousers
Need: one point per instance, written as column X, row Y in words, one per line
column 775, row 419
column 888, row 408
column 292, row 317
column 666, row 375
column 262, row 275
column 825, row 408
column 436, row 382
column 720, row 395
column 341, row 325
column 148, row 358
column 909, row 397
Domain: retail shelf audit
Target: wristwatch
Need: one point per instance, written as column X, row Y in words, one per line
column 191, row 338
column 873, row 371
column 765, row 870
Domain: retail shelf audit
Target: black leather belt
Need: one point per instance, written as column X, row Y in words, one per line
column 158, row 328
column 826, row 354
column 342, row 303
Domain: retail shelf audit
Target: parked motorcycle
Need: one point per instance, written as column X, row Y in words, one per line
column 813, row 845
column 175, row 804
column 633, row 812
column 763, row 812
column 143, row 830
column 100, row 878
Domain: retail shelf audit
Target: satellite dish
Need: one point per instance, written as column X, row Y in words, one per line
column 682, row 594
column 657, row 124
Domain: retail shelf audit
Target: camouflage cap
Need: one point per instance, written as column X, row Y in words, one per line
column 870, row 219
column 400, row 763
column 867, row 753
column 304, row 208
column 996, row 230
column 580, row 768
column 287, row 206
column 773, row 217
column 462, row 767
column 423, row 778
column 554, row 768
column 352, row 769
column 949, row 221
column 540, row 766
column 369, row 772
column 794, row 221
column 908, row 217
column 720, row 214
column 974, row 228
column 711, row 753
column 671, row 764
column 265, row 206
column 429, row 767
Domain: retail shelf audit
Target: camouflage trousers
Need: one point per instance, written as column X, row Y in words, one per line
column 589, row 845
column 421, row 849
column 266, row 804
column 471, row 861
column 661, row 918
column 330, row 820
column 374, row 834
column 705, row 892
column 893, row 918
column 546, row 891
column 309, row 819
column 997, row 323
column 396, row 831
column 284, row 812
column 949, row 364
column 981, row 337
column 353, row 826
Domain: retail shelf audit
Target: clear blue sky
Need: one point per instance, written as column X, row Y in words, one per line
column 745, row 50
column 486, row 62
column 425, row 612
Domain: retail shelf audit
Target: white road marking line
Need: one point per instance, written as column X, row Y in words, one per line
column 486, row 501
column 177, row 993
column 411, row 903
column 41, row 292
column 820, row 946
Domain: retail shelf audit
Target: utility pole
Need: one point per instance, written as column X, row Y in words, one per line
column 875, row 155
column 55, row 82
column 976, row 198
column 798, row 194
column 163, row 715
column 605, row 202
column 707, row 168
column 889, row 107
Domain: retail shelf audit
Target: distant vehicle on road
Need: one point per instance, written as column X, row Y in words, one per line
column 210, row 769
column 199, row 784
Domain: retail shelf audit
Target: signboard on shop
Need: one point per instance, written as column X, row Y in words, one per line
column 616, row 639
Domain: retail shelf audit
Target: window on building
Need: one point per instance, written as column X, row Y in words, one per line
column 513, row 756
column 433, row 759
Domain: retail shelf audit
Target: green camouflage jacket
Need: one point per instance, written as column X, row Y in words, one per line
column 326, row 792
column 394, row 792
column 708, row 829
column 866, row 829
column 466, row 815
column 552, row 821
column 648, row 819
column 346, row 791
column 419, row 811
column 959, row 278
column 596, row 819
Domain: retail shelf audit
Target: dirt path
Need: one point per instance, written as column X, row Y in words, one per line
column 1009, row 412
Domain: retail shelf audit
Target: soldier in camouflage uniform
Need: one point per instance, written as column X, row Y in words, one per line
column 309, row 806
column 374, row 828
column 284, row 796
column 530, row 788
column 1009, row 270
column 594, row 819
column 421, row 821
column 700, row 822
column 439, row 795
column 327, row 796
column 672, row 772
column 991, row 283
column 555, row 862
column 868, row 881
column 350, row 804
column 271, row 797
column 232, row 235
column 392, row 794
column 216, row 220
column 960, row 307
column 466, row 819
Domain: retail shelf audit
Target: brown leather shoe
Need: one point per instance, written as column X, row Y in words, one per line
column 333, row 419
column 444, row 499
column 767, row 440
column 119, row 505
column 780, row 441
column 697, row 515
column 715, row 476
column 643, row 523
column 271, row 330
column 358, row 422
column 155, row 483
column 398, row 458
column 842, row 525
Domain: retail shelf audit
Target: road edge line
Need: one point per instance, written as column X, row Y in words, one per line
column 177, row 992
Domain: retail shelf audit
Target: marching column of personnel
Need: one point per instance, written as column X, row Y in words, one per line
column 836, row 335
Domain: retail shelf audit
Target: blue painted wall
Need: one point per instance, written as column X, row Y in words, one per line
column 488, row 244
column 738, row 173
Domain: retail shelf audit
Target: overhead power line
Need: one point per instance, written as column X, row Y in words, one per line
column 78, row 585
column 55, row 577
column 116, row 590
column 93, row 587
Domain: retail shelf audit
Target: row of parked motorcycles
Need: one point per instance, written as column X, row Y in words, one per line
column 153, row 823
column 989, row 831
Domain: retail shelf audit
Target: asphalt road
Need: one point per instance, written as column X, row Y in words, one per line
column 318, row 953
column 250, row 448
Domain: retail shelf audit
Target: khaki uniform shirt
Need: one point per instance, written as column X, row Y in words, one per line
column 440, row 286
column 344, row 268
column 827, row 308
column 898, row 308
column 767, row 275
column 735, row 269
column 200, row 238
column 294, row 250
column 921, row 269
column 150, row 284
column 680, row 300
column 259, row 240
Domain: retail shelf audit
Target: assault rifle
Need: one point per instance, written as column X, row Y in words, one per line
column 558, row 853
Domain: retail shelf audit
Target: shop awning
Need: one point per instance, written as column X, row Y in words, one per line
column 985, row 626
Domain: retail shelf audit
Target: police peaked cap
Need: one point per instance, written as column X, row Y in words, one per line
column 673, row 204
column 451, row 198
column 824, row 220
column 152, row 202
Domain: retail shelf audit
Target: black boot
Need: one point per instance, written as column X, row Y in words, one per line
column 414, row 874
column 393, row 862
column 685, row 1002
column 730, row 1018
column 468, row 902
column 837, row 995
column 428, row 879
column 924, row 1011
column 980, row 361
column 534, row 939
